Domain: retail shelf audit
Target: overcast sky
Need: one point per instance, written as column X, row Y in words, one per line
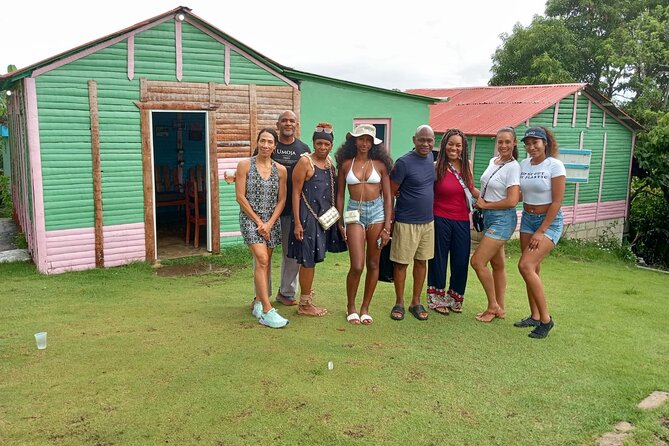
column 403, row 44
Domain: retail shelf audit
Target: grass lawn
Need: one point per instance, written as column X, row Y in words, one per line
column 134, row 359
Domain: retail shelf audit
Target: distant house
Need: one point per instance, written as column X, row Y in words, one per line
column 97, row 132
column 596, row 141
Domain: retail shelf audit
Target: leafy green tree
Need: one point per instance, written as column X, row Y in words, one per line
column 543, row 53
column 621, row 47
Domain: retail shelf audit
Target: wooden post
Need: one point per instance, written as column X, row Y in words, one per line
column 97, row 174
column 253, row 116
column 213, row 186
column 147, row 169
column 296, row 108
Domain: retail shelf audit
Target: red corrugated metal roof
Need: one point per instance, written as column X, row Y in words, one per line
column 484, row 110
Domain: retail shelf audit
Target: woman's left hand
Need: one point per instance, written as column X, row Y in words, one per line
column 480, row 203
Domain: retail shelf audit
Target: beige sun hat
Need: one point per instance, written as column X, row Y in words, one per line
column 365, row 129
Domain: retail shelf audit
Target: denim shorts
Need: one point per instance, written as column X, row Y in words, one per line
column 371, row 212
column 499, row 224
column 529, row 224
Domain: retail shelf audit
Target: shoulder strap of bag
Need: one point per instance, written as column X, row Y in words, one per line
column 493, row 174
column 329, row 167
column 468, row 194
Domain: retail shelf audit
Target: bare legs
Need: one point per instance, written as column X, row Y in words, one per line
column 262, row 256
column 306, row 307
column 356, row 238
column 529, row 266
column 494, row 283
column 399, row 279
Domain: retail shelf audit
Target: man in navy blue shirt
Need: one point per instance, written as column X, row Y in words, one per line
column 413, row 228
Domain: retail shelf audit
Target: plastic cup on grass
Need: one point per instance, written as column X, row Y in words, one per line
column 40, row 338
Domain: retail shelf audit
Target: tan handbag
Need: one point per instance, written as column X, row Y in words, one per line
column 352, row 216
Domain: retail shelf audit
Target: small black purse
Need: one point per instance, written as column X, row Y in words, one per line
column 477, row 215
column 477, row 220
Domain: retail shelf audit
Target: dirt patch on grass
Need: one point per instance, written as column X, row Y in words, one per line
column 194, row 269
column 654, row 400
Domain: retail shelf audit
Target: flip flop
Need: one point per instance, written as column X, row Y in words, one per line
column 353, row 319
column 399, row 309
column 366, row 319
column 417, row 310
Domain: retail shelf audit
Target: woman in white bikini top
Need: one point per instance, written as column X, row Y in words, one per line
column 374, row 177
column 364, row 170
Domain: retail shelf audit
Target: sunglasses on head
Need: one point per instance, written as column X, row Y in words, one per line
column 324, row 129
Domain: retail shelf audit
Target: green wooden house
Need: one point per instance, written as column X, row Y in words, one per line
column 100, row 135
column 596, row 141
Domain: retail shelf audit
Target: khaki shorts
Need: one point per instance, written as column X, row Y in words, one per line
column 412, row 242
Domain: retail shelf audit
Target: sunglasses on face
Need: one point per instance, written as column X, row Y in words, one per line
column 324, row 129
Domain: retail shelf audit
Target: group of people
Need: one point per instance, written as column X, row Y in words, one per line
column 292, row 196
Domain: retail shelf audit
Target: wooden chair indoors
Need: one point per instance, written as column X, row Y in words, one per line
column 169, row 191
column 196, row 174
column 194, row 215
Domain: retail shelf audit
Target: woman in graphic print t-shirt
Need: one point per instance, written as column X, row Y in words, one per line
column 542, row 184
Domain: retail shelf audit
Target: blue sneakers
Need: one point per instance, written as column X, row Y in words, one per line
column 257, row 309
column 272, row 319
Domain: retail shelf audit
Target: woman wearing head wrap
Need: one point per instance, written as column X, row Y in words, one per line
column 314, row 191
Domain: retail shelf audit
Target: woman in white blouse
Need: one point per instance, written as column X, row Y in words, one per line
column 499, row 195
column 542, row 184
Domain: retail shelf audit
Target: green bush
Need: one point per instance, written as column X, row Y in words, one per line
column 5, row 197
column 649, row 232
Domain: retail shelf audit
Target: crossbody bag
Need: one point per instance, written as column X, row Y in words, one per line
column 329, row 217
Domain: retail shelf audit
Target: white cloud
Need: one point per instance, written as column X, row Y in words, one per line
column 414, row 44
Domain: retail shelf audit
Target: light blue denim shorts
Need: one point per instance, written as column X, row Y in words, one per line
column 529, row 224
column 371, row 212
column 499, row 224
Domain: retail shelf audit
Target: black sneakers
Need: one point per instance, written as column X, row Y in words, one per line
column 541, row 331
column 527, row 322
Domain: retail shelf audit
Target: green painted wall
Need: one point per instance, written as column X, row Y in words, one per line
column 65, row 139
column 339, row 105
column 203, row 57
column 618, row 148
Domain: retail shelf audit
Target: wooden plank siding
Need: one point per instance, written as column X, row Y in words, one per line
column 66, row 142
column 613, row 173
column 253, row 100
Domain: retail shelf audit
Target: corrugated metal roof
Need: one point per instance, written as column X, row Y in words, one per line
column 484, row 110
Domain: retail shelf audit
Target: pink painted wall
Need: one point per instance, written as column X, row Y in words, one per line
column 74, row 249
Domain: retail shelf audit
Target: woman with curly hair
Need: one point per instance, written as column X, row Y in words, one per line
column 452, row 204
column 364, row 166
